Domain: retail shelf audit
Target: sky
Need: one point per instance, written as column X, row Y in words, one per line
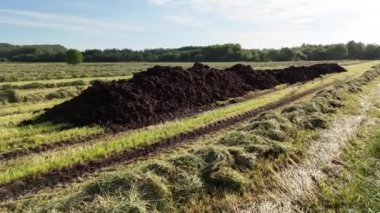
column 141, row 24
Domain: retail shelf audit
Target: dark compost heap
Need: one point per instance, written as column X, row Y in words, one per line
column 163, row 93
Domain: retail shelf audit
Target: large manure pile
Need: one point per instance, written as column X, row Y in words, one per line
column 163, row 93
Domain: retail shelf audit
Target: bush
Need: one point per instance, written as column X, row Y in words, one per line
column 74, row 57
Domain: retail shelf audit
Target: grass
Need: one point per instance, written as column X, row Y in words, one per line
column 14, row 72
column 15, row 119
column 359, row 191
column 58, row 82
column 35, row 164
column 21, row 73
column 362, row 192
column 9, row 133
column 38, row 95
column 16, row 139
column 18, row 108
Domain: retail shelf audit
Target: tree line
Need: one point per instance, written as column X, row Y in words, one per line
column 213, row 53
column 32, row 53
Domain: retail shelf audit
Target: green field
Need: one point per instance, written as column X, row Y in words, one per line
column 27, row 89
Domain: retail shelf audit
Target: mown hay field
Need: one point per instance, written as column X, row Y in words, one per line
column 30, row 152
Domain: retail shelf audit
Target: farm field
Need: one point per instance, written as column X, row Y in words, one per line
column 59, row 72
column 228, row 157
column 39, row 82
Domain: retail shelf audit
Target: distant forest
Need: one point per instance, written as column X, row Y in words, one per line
column 213, row 53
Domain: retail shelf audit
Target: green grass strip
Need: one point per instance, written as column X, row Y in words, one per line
column 11, row 109
column 37, row 139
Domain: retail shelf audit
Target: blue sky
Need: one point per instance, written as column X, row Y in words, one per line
column 140, row 24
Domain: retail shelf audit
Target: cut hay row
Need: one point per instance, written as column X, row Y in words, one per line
column 39, row 95
column 223, row 168
column 19, row 72
column 39, row 91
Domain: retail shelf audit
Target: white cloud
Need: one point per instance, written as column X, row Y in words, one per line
column 274, row 23
column 53, row 21
column 265, row 10
column 253, row 23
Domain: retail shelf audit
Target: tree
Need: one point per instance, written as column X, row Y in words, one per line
column 355, row 50
column 336, row 52
column 285, row 54
column 74, row 57
column 372, row 51
column 300, row 56
column 213, row 53
column 271, row 55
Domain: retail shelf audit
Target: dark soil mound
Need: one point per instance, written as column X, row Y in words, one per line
column 162, row 93
column 293, row 74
